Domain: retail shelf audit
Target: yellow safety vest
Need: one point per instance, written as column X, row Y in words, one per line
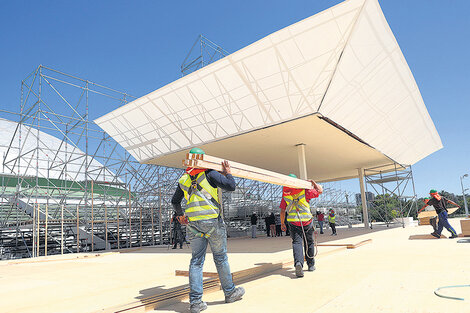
column 297, row 203
column 332, row 219
column 202, row 199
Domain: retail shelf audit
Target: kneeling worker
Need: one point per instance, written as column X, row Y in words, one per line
column 199, row 188
column 296, row 203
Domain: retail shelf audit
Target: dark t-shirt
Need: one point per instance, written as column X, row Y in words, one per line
column 439, row 205
column 254, row 219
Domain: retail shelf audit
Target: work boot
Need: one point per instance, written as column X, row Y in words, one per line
column 311, row 268
column 198, row 307
column 299, row 271
column 174, row 247
column 237, row 294
column 453, row 236
column 436, row 235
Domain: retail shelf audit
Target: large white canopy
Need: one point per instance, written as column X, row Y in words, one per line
column 342, row 65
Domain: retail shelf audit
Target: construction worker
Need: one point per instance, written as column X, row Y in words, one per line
column 177, row 232
column 320, row 219
column 202, row 216
column 440, row 205
column 332, row 221
column 295, row 202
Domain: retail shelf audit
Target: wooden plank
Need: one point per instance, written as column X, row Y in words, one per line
column 360, row 244
column 465, row 225
column 245, row 167
column 302, row 184
column 204, row 274
column 420, row 237
column 433, row 213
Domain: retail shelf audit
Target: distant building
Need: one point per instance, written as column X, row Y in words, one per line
column 369, row 196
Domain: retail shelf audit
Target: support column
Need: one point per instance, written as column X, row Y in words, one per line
column 302, row 161
column 363, row 197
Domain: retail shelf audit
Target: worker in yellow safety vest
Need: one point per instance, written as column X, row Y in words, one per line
column 202, row 216
column 332, row 221
column 295, row 202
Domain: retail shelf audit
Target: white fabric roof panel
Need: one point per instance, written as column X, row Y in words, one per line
column 343, row 62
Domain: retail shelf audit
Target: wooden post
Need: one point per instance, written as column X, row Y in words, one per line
column 78, row 230
column 92, row 219
column 45, row 230
column 106, row 226
column 62, row 229
column 153, row 230
column 130, row 220
column 118, row 238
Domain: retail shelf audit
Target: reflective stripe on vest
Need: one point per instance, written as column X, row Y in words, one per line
column 297, row 203
column 202, row 199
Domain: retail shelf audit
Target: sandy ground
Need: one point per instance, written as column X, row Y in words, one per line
column 391, row 274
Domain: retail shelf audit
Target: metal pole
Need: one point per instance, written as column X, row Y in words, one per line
column 34, row 230
column 45, row 236
column 62, row 229
column 118, row 237
column 78, row 231
column 363, row 197
column 160, row 213
column 141, row 226
column 92, row 218
column 153, row 230
column 38, row 227
column 106, row 226
column 130, row 221
column 463, row 193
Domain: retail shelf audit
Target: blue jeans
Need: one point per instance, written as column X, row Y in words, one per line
column 218, row 243
column 444, row 222
column 321, row 226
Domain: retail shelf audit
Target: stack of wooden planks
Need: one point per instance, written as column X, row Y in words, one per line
column 465, row 225
column 245, row 171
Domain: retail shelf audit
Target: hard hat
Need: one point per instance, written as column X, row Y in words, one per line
column 433, row 191
column 426, row 198
column 293, row 175
column 197, row 151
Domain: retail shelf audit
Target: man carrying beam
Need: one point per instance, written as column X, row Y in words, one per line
column 299, row 216
column 199, row 188
column 440, row 205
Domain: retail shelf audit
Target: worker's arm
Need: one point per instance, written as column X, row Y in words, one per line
column 283, row 206
column 176, row 201
column 452, row 202
column 424, row 207
column 316, row 186
column 224, row 180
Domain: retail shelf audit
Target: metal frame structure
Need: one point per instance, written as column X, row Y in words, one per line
column 395, row 191
column 84, row 192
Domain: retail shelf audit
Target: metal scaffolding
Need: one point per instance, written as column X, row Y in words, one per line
column 68, row 187
column 395, row 196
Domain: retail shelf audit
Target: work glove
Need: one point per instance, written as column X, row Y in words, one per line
column 183, row 219
column 283, row 227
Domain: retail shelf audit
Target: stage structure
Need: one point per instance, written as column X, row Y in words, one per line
column 325, row 98
column 202, row 53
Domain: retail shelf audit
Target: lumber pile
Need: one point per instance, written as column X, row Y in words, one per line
column 428, row 214
column 465, row 225
column 244, row 171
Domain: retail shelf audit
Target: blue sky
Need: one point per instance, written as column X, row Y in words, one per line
column 138, row 46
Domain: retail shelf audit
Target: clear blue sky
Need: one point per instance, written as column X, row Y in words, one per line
column 138, row 46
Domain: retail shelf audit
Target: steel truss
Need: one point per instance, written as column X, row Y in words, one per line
column 395, row 195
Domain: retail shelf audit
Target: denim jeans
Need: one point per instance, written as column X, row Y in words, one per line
column 444, row 222
column 218, row 243
column 299, row 245
column 320, row 223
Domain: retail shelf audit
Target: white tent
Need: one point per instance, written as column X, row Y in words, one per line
column 336, row 82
